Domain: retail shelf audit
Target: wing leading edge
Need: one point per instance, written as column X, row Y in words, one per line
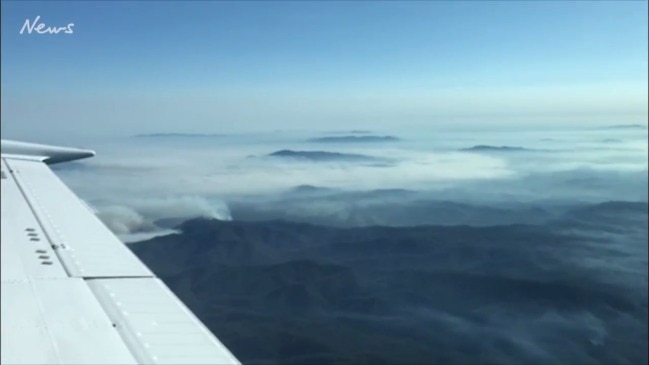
column 72, row 293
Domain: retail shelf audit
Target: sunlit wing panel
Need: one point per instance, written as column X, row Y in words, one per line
column 47, row 316
column 29, row 255
column 57, row 322
column 84, row 244
column 72, row 293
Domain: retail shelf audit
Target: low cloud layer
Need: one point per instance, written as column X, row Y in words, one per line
column 134, row 182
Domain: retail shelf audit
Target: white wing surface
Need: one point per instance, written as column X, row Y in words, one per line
column 72, row 293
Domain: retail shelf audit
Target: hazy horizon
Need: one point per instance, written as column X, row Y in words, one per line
column 231, row 67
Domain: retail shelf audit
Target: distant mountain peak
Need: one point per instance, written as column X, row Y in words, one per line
column 321, row 155
column 354, row 139
column 627, row 126
column 177, row 135
column 306, row 188
column 494, row 148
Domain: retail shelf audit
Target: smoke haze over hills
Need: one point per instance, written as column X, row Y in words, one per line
column 572, row 290
column 435, row 255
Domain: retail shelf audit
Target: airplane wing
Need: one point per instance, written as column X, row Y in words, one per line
column 72, row 292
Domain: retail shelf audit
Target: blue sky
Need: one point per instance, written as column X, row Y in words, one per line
column 134, row 67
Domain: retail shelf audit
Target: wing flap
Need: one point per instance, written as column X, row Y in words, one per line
column 160, row 329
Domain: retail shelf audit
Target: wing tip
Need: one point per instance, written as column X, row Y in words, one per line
column 50, row 154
